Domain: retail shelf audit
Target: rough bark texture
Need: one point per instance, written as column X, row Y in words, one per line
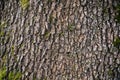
column 60, row 39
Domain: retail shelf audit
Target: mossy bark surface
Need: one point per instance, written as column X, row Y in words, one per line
column 60, row 39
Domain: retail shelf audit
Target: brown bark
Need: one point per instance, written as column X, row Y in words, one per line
column 60, row 39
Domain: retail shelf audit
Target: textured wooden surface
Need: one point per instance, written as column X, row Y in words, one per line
column 60, row 40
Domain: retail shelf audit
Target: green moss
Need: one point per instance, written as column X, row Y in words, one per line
column 110, row 73
column 49, row 1
column 117, row 8
column 12, row 50
column 3, row 24
column 71, row 27
column 47, row 34
column 4, row 58
column 117, row 16
column 50, row 18
column 2, row 33
column 116, row 42
column 61, row 33
column 105, row 10
column 2, row 73
column 24, row 3
column 11, row 76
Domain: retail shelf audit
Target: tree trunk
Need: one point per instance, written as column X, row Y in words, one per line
column 60, row 39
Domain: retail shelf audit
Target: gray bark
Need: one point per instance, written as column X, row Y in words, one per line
column 60, row 39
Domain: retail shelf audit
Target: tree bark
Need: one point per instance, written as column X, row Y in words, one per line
column 60, row 39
